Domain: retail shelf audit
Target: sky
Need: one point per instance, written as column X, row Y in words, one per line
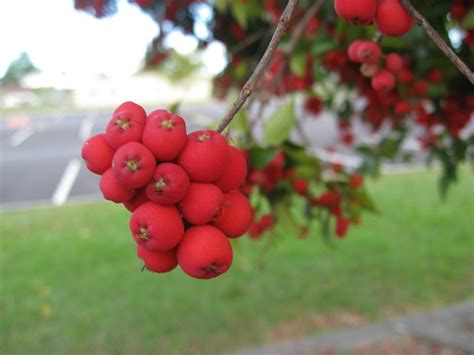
column 61, row 40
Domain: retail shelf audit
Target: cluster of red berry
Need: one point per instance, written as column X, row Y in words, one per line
column 337, row 200
column 389, row 16
column 368, row 53
column 182, row 188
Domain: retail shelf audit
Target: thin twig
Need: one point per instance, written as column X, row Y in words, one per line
column 262, row 65
column 378, row 37
column 248, row 42
column 295, row 36
column 300, row 27
column 431, row 32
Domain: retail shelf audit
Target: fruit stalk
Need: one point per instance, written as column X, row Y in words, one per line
column 262, row 65
column 436, row 38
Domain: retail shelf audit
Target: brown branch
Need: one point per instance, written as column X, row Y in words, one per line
column 262, row 65
column 295, row 36
column 248, row 42
column 298, row 31
column 377, row 38
column 431, row 32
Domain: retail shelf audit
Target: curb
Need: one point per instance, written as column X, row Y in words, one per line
column 442, row 326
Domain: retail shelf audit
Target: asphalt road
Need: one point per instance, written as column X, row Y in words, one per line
column 40, row 163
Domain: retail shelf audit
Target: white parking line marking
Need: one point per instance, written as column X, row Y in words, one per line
column 67, row 181
column 20, row 136
column 85, row 128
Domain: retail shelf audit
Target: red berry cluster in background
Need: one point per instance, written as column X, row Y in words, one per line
column 340, row 201
column 402, row 89
column 182, row 189
column 389, row 16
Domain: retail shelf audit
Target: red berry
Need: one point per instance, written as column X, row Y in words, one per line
column 458, row 11
column 368, row 52
column 341, row 227
column 356, row 181
column 393, row 62
column 164, row 134
column 435, row 76
column 405, row 76
column 402, row 108
column 347, row 138
column 112, row 189
column 357, row 12
column 204, row 156
column 126, row 124
column 158, row 261
column 255, row 231
column 202, row 203
column 235, row 171
column 313, row 105
column 97, row 153
column 392, row 19
column 139, row 198
column 168, row 185
column 353, row 50
column 329, row 199
column 267, row 221
column 143, row 3
column 420, row 88
column 369, row 70
column 236, row 215
column 133, row 164
column 383, row 81
column 204, row 252
column 300, row 186
column 155, row 227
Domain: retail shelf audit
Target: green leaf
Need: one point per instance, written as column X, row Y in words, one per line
column 308, row 172
column 221, row 5
column 322, row 46
column 174, row 107
column 239, row 10
column 260, row 157
column 260, row 202
column 297, row 154
column 298, row 64
column 364, row 200
column 278, row 127
column 389, row 147
column 286, row 220
column 240, row 70
column 468, row 21
column 240, row 121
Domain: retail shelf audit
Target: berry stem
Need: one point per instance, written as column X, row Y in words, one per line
column 262, row 65
column 431, row 32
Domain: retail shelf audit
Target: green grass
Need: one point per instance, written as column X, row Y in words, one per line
column 70, row 281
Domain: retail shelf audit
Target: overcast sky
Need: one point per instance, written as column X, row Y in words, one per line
column 60, row 39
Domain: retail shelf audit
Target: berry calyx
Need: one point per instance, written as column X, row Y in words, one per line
column 156, row 227
column 204, row 252
column 164, row 135
column 168, row 185
column 133, row 164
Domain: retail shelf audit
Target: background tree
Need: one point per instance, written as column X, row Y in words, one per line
column 401, row 69
column 18, row 69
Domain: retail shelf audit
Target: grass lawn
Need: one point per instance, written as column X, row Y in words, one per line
column 71, row 283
